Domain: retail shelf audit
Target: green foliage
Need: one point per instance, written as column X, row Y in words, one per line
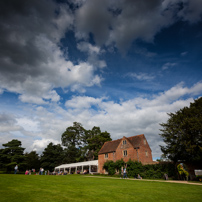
column 110, row 166
column 11, row 155
column 32, row 160
column 183, row 173
column 95, row 140
column 52, row 156
column 74, row 140
column 82, row 144
column 182, row 134
column 134, row 168
column 119, row 164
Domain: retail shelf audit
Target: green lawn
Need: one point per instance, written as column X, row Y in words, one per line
column 81, row 188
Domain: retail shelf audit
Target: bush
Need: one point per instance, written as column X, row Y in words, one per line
column 109, row 166
column 134, row 168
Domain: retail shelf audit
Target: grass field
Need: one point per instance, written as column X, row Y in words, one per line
column 81, row 188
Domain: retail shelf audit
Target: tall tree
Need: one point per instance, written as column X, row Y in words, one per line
column 74, row 140
column 52, row 156
column 12, row 154
column 82, row 144
column 182, row 135
column 32, row 160
column 95, row 140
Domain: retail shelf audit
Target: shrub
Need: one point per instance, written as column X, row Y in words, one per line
column 155, row 171
column 109, row 166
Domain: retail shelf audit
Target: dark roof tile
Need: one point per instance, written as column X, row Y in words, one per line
column 111, row 146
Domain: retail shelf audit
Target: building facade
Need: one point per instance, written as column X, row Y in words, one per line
column 135, row 148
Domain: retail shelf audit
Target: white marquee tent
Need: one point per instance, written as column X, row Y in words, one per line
column 81, row 165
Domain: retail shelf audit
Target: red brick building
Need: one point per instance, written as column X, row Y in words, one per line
column 135, row 148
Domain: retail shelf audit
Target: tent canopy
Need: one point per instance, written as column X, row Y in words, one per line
column 75, row 165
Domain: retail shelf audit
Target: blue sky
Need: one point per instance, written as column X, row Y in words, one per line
column 120, row 65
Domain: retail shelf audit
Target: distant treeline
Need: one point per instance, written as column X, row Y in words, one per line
column 78, row 144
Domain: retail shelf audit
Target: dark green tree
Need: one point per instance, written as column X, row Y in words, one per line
column 52, row 156
column 82, row 144
column 32, row 160
column 95, row 140
column 74, row 139
column 11, row 155
column 182, row 135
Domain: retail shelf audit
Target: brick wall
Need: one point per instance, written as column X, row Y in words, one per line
column 102, row 159
column 143, row 154
column 131, row 152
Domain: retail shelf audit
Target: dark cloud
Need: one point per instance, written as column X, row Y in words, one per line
column 31, row 61
column 121, row 22
column 21, row 23
column 93, row 17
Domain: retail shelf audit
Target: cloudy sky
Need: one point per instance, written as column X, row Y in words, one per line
column 121, row 65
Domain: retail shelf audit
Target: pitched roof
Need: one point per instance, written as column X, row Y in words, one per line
column 136, row 140
column 111, row 146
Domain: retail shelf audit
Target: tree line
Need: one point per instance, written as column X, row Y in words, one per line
column 182, row 135
column 78, row 144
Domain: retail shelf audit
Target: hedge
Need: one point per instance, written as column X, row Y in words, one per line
column 154, row 171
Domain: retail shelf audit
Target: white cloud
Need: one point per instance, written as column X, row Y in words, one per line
column 184, row 53
column 32, row 65
column 93, row 53
column 40, row 126
column 87, row 47
column 168, row 65
column 32, row 62
column 39, row 145
column 83, row 102
column 141, row 76
column 8, row 123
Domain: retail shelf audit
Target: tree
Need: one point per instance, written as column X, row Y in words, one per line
column 32, row 160
column 12, row 154
column 95, row 140
column 52, row 156
column 82, row 144
column 74, row 139
column 182, row 135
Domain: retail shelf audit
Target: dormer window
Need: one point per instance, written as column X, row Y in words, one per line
column 124, row 142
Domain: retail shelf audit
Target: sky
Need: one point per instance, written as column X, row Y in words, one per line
column 121, row 65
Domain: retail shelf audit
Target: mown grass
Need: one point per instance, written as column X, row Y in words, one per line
column 81, row 188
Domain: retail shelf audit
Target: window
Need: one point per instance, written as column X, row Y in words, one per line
column 124, row 141
column 106, row 156
column 146, row 153
column 125, row 153
column 145, row 142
